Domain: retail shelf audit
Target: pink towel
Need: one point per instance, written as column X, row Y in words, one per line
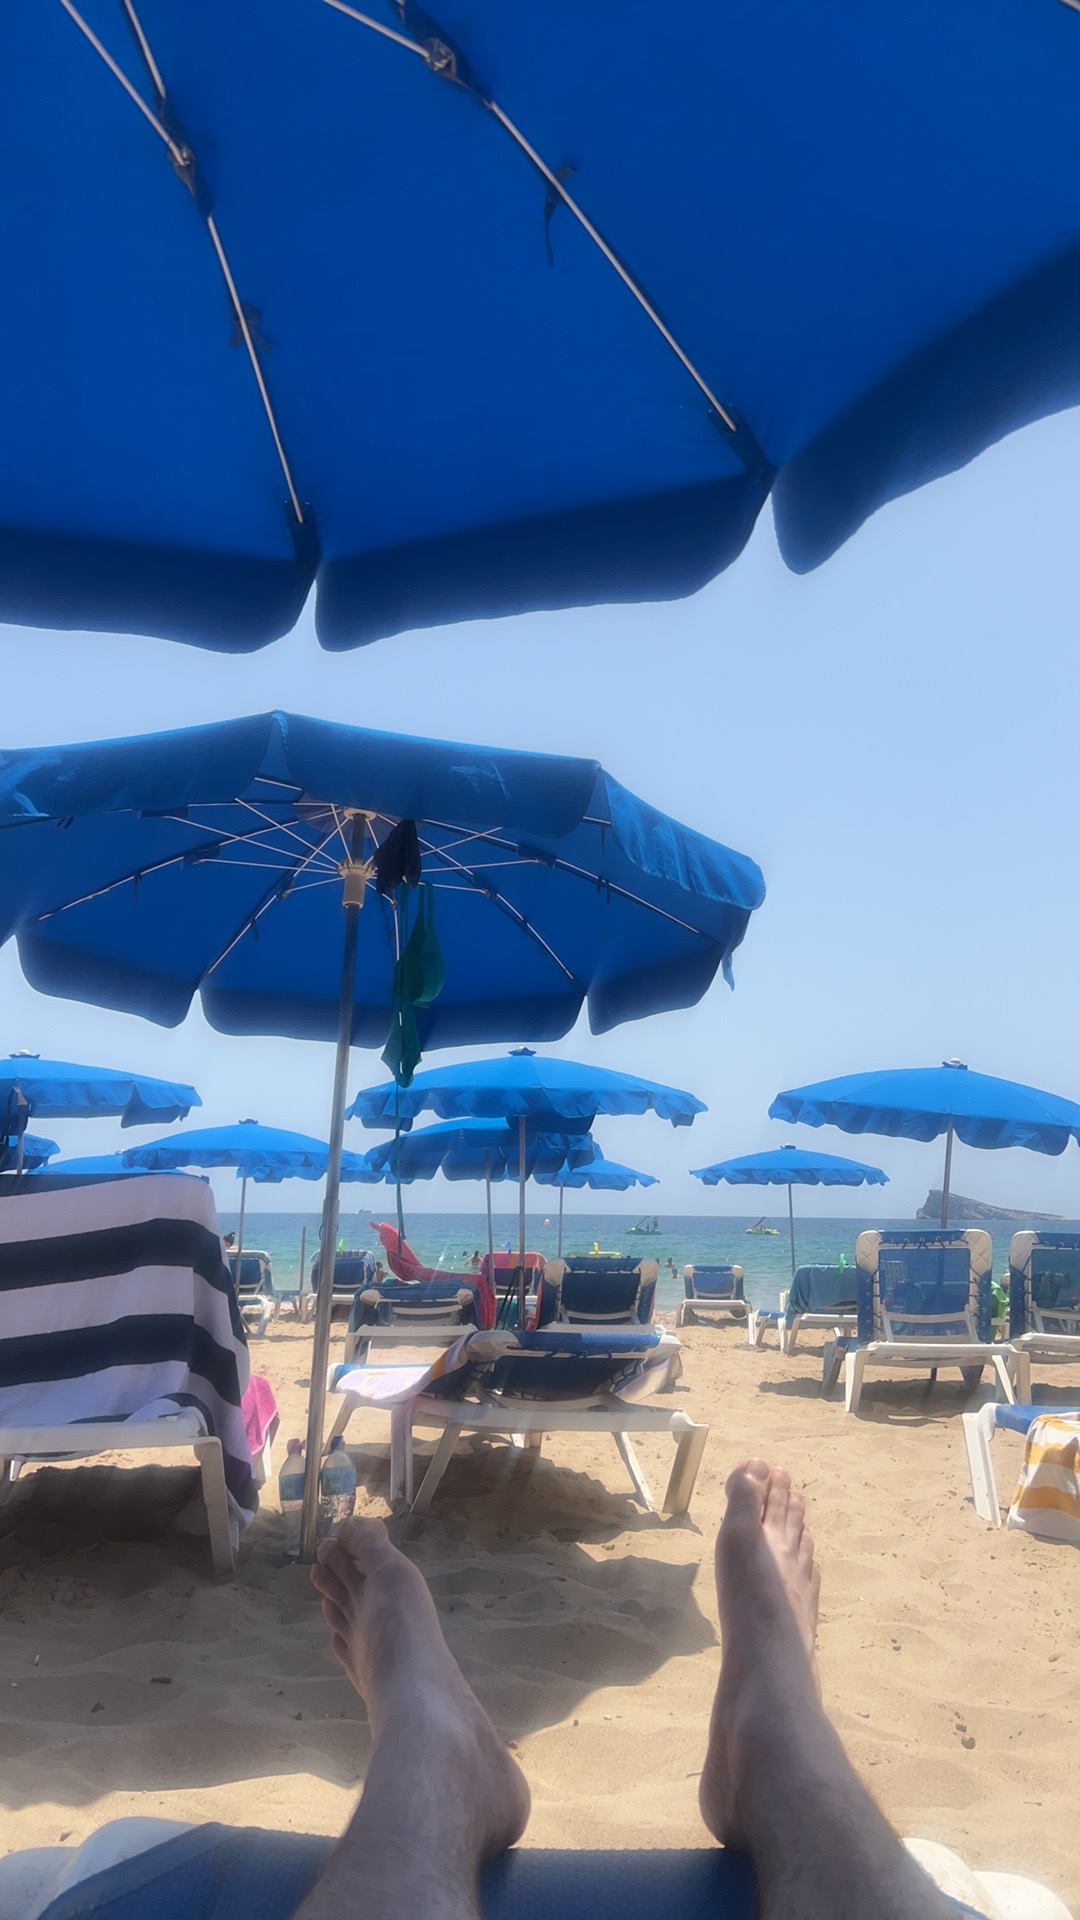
column 260, row 1413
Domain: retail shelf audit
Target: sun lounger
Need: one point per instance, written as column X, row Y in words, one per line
column 980, row 1426
column 352, row 1270
column 1044, row 1301
column 253, row 1275
column 711, row 1292
column 139, row 1866
column 429, row 1313
column 923, row 1301
column 119, row 1331
column 820, row 1299
column 590, row 1290
column 558, row 1380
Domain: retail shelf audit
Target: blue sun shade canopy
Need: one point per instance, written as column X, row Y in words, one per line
column 791, row 1167
column 474, row 1150
column 99, row 1166
column 58, row 1090
column 523, row 1083
column 600, row 1176
column 494, row 308
column 266, row 1155
column 920, row 1103
column 36, row 1152
column 137, row 873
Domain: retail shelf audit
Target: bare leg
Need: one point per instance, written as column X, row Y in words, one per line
column 777, row 1783
column 442, row 1793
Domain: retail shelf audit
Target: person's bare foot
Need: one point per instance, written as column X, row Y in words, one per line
column 385, row 1632
column 767, row 1585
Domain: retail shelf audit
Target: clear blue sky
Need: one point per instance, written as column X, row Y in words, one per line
column 893, row 738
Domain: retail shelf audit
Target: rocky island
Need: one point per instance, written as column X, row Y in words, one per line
column 962, row 1210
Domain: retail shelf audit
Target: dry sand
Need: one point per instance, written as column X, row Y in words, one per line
column 133, row 1681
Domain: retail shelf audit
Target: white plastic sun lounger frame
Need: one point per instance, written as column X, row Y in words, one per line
column 700, row 1310
column 834, row 1322
column 526, row 1423
column 970, row 1355
column 83, row 1441
column 1043, row 1343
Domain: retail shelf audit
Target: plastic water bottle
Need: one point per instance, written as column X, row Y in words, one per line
column 337, row 1488
column 291, row 1495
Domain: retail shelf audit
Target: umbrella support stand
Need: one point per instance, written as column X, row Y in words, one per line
column 240, row 1228
column 355, row 876
column 946, row 1178
column 562, row 1197
column 791, row 1227
column 521, row 1223
column 491, row 1237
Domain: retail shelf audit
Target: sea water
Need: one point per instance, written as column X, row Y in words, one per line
column 448, row 1240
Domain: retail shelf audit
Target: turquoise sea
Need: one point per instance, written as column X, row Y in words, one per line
column 448, row 1239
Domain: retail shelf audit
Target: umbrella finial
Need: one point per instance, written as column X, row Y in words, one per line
column 961, row 1065
column 516, row 1053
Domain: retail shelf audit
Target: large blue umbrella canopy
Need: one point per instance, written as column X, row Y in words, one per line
column 36, row 1152
column 528, row 1088
column 101, row 1165
column 475, row 1150
column 600, row 1176
column 263, row 1154
column 233, row 862
column 229, row 229
column 790, row 1167
column 523, row 1084
column 921, row 1103
column 59, row 1090
column 266, row 1155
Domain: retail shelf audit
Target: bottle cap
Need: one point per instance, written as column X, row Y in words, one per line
column 295, row 1446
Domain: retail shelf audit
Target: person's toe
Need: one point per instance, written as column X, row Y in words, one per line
column 774, row 1505
column 336, row 1620
column 330, row 1578
column 366, row 1542
column 746, row 1489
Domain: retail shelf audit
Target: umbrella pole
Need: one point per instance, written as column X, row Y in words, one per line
column 324, row 1299
column 491, row 1238
column 945, row 1179
column 240, row 1228
column 303, row 1258
column 521, row 1221
column 562, row 1196
column 791, row 1227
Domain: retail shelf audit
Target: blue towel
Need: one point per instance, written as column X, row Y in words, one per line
column 226, row 1873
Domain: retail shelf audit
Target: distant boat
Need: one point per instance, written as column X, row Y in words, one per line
column 761, row 1226
column 647, row 1224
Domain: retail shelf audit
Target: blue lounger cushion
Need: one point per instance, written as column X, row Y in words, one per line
column 230, row 1873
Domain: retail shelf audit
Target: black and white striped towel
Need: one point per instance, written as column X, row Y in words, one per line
column 116, row 1304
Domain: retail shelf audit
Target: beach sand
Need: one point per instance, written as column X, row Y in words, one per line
column 133, row 1681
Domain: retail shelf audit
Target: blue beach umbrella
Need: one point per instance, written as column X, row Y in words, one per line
column 484, row 1150
column 237, row 862
column 101, row 1165
column 266, row 1155
column 791, row 1167
column 30, row 1151
column 60, row 1090
column 524, row 1086
column 598, row 1174
column 921, row 1103
column 229, row 228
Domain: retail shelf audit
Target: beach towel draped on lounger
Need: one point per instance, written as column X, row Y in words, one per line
column 116, row 1304
column 1047, row 1497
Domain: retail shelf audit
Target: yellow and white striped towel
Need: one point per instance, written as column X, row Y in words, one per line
column 1047, row 1497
